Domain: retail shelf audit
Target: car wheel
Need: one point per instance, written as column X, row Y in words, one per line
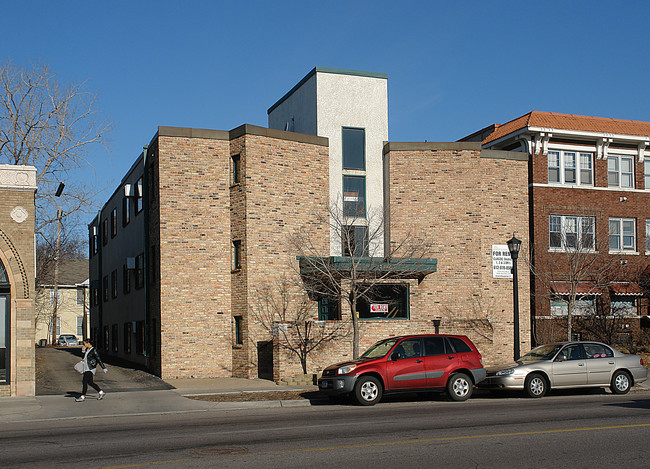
column 459, row 387
column 368, row 390
column 535, row 385
column 621, row 382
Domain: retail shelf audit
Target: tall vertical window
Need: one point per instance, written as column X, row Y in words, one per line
column 622, row 234
column 236, row 255
column 354, row 196
column 126, row 211
column 354, row 240
column 114, row 223
column 115, row 337
column 81, row 295
column 354, row 148
column 80, row 327
column 647, row 235
column 139, row 271
column 126, row 279
column 571, row 232
column 5, row 326
column 646, row 172
column 105, row 287
column 620, row 171
column 138, row 196
column 127, row 337
column 570, row 167
column 104, row 232
column 239, row 333
column 114, row 284
column 236, row 169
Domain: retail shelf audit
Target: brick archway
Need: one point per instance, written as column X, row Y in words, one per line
column 14, row 266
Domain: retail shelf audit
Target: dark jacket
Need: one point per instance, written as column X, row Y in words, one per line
column 93, row 359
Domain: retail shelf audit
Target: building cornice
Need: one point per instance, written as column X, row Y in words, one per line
column 17, row 177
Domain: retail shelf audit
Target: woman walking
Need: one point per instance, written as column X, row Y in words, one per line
column 90, row 362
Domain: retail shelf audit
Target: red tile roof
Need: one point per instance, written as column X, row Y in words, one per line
column 554, row 120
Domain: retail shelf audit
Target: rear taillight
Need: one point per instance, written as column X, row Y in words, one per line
column 641, row 360
column 480, row 358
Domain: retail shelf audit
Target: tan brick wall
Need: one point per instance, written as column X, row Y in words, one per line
column 285, row 187
column 465, row 203
column 17, row 256
column 194, row 250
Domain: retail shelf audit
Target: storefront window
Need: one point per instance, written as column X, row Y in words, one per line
column 384, row 301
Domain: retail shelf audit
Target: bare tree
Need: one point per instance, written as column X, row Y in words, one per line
column 282, row 308
column 366, row 261
column 574, row 271
column 51, row 126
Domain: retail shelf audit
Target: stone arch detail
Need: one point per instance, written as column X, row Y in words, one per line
column 18, row 261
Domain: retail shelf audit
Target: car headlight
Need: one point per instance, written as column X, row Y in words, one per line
column 344, row 370
column 507, row 372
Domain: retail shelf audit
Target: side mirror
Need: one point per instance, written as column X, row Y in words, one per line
column 395, row 356
column 560, row 358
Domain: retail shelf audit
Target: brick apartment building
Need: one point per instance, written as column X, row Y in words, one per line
column 17, row 274
column 589, row 186
column 204, row 218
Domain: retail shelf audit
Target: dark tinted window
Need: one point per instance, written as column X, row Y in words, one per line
column 408, row 348
column 354, row 148
column 459, row 345
column 597, row 351
column 354, row 196
column 434, row 346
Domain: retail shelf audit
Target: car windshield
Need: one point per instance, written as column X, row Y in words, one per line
column 543, row 352
column 380, row 349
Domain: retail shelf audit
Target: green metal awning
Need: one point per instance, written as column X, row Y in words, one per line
column 369, row 267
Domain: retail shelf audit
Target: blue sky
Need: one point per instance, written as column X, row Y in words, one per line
column 453, row 67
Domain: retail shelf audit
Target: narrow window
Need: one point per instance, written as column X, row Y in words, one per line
column 236, row 255
column 139, row 271
column 646, row 172
column 104, row 232
column 114, row 284
column 554, row 167
column 105, row 287
column 139, row 337
column 236, row 169
column 569, row 167
column 138, row 196
column 126, row 279
column 239, row 333
column 354, row 196
column 126, row 211
column 127, row 337
column 114, row 223
column 354, row 148
column 80, row 327
column 586, row 169
column 647, row 236
column 115, row 338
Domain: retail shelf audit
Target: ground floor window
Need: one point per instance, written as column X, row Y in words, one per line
column 623, row 305
column 127, row 336
column 239, row 335
column 115, row 337
column 80, row 327
column 328, row 309
column 384, row 301
column 139, row 337
column 582, row 306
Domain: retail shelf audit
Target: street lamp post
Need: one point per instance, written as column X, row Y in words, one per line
column 514, row 245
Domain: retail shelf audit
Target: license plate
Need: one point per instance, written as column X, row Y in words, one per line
column 323, row 384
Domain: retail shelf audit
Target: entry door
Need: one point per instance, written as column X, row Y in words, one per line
column 569, row 367
column 438, row 360
column 406, row 369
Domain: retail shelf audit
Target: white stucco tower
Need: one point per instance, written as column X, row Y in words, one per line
column 350, row 108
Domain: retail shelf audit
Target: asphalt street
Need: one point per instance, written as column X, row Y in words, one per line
column 576, row 430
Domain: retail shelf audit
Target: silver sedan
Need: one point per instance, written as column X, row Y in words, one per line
column 568, row 365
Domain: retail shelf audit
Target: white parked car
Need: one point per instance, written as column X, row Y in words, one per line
column 563, row 365
column 68, row 340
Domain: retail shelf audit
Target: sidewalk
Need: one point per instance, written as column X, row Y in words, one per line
column 142, row 402
column 47, row 407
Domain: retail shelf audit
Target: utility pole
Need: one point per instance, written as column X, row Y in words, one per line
column 59, row 214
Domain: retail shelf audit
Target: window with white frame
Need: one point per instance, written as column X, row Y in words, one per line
column 646, row 172
column 571, row 232
column 620, row 171
column 647, row 235
column 622, row 234
column 80, row 327
column 623, row 305
column 570, row 167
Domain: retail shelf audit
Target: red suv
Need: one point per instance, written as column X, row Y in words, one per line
column 408, row 363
